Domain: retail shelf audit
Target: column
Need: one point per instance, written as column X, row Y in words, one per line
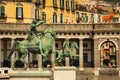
column 96, row 54
column 39, row 58
column 96, row 57
column 13, row 55
column 0, row 53
column 67, row 61
column 53, row 55
column 117, row 56
column 81, row 54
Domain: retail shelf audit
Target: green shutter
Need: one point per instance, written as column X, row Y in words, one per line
column 16, row 12
column 21, row 12
column 86, row 18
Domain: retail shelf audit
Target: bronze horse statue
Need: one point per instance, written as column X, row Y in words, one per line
column 66, row 51
column 36, row 45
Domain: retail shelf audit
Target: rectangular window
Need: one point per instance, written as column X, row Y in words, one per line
column 72, row 6
column 77, row 17
column 2, row 11
column 55, row 3
column 44, row 17
column 43, row 3
column 61, row 4
column 82, row 17
column 98, row 19
column 19, row 12
column 37, row 14
column 85, row 44
column 92, row 18
column 67, row 5
column 37, row 2
column 85, row 57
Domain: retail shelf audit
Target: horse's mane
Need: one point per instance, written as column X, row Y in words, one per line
column 47, row 28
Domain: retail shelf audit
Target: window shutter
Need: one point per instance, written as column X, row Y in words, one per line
column 61, row 18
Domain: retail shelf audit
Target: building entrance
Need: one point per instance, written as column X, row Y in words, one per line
column 108, row 54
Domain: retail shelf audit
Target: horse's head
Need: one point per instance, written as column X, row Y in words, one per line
column 51, row 31
column 74, row 45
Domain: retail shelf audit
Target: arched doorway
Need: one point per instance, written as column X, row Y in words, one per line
column 108, row 54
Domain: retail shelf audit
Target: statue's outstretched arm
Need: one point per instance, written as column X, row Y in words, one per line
column 39, row 23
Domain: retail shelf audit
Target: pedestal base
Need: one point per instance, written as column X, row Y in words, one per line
column 29, row 75
column 64, row 73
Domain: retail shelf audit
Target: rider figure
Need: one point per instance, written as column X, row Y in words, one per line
column 32, row 29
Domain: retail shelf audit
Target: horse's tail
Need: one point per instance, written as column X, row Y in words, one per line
column 12, row 49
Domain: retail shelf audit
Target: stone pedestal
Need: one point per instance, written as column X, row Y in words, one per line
column 64, row 73
column 29, row 75
column 96, row 72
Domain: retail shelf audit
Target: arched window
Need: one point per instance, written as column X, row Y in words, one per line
column 54, row 18
column 108, row 54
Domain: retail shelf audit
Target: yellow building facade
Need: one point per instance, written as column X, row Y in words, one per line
column 16, row 12
column 51, row 11
column 60, row 11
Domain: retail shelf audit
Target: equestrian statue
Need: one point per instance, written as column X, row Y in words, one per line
column 66, row 51
column 34, row 44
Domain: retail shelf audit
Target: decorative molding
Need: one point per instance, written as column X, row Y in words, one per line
column 19, row 4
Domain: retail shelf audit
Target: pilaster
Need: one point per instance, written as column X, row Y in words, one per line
column 0, row 53
column 81, row 54
column 13, row 55
column 52, row 55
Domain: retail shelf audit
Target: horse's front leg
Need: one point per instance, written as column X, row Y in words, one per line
column 13, row 65
column 22, row 59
